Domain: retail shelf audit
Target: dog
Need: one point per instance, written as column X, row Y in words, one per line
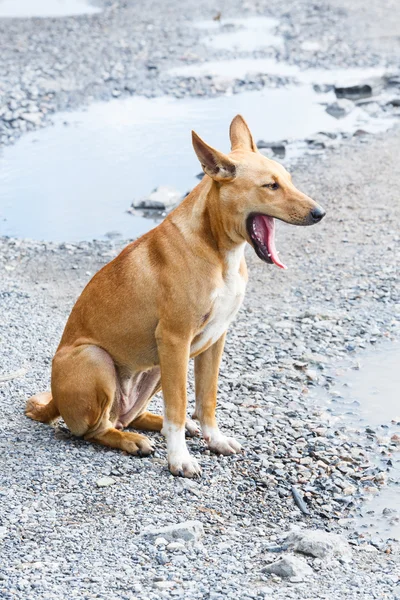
column 168, row 297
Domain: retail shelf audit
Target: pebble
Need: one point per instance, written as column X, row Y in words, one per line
column 105, row 482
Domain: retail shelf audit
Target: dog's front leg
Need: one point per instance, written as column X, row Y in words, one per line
column 173, row 351
column 206, row 368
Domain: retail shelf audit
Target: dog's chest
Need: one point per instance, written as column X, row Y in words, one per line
column 226, row 301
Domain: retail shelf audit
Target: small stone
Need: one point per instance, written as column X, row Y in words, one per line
column 163, row 585
column 105, row 482
column 381, row 478
column 340, row 108
column 278, row 148
column 175, row 546
column 160, row 541
column 289, row 566
column 350, row 490
column 35, row 118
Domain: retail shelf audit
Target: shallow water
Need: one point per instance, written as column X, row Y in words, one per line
column 369, row 396
column 76, row 180
column 46, row 8
column 243, row 35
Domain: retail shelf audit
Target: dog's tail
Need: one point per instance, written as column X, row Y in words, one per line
column 41, row 407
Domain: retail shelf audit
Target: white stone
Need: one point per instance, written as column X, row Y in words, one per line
column 105, row 482
column 188, row 531
column 35, row 118
column 160, row 541
column 163, row 197
column 172, row 546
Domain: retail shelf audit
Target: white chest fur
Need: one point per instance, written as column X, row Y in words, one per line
column 226, row 301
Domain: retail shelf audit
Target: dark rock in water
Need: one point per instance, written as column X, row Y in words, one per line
column 357, row 91
column 394, row 102
column 321, row 140
column 162, row 198
column 393, row 80
column 340, row 108
column 278, row 148
column 200, row 175
column 113, row 235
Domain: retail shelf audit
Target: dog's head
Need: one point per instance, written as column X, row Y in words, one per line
column 254, row 191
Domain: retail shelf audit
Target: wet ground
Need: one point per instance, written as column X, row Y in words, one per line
column 45, row 8
column 365, row 398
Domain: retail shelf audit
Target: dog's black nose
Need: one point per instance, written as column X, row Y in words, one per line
column 317, row 214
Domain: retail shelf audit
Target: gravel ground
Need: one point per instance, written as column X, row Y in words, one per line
column 72, row 515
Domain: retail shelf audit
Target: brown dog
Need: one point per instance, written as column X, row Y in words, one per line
column 166, row 298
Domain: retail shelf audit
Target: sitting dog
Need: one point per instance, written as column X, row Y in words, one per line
column 168, row 297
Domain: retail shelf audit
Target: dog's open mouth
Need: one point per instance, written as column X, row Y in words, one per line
column 261, row 230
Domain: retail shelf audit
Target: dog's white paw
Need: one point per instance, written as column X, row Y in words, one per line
column 221, row 444
column 192, row 429
column 184, row 465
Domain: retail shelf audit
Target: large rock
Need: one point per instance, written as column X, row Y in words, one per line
column 289, row 566
column 162, row 198
column 318, row 543
column 190, row 531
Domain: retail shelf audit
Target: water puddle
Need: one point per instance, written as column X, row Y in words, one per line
column 241, row 35
column 241, row 68
column 367, row 396
column 45, row 8
column 76, row 180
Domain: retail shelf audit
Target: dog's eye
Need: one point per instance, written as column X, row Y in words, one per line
column 271, row 186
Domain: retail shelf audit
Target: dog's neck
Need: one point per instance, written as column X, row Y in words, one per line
column 202, row 214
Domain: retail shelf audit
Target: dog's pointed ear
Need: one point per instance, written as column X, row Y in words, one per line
column 215, row 164
column 240, row 134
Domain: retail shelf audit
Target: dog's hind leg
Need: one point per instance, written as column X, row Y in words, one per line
column 134, row 443
column 147, row 422
column 41, row 407
column 84, row 386
column 151, row 422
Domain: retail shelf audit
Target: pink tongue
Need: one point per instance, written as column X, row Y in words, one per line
column 269, row 236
